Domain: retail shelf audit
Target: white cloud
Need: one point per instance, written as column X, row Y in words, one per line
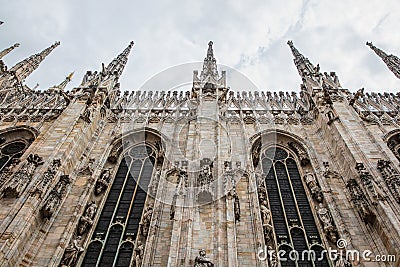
column 250, row 36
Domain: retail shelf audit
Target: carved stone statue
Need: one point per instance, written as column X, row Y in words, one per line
column 139, row 250
column 327, row 222
column 313, row 186
column 102, row 182
column 265, row 213
column 87, row 219
column 205, row 176
column 22, row 177
column 146, row 219
column 324, row 215
column 54, row 198
column 202, row 260
column 262, row 193
column 72, row 253
column 181, row 187
column 236, row 205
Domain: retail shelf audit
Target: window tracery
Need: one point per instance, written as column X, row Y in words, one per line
column 122, row 228
column 287, row 216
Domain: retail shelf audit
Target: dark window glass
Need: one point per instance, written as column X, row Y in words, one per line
column 292, row 218
column 119, row 219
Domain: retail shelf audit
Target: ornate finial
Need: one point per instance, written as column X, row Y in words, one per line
column 24, row 68
column 8, row 50
column 391, row 61
column 118, row 64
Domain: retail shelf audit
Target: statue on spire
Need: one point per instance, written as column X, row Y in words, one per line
column 391, row 61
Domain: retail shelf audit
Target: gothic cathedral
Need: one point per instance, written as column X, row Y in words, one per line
column 98, row 176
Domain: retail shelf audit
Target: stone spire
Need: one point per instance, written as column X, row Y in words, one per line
column 8, row 50
column 24, row 68
column 118, row 64
column 392, row 61
column 210, row 64
column 304, row 66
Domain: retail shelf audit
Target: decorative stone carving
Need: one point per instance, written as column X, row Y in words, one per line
column 236, row 205
column 265, row 213
column 360, row 201
column 139, row 250
column 202, row 260
column 7, row 171
column 22, row 177
column 103, row 182
column 181, row 186
column 300, row 152
column 152, row 188
column 391, row 177
column 72, row 253
column 115, row 153
column 255, row 152
column 357, row 95
column 88, row 169
column 146, row 219
column 328, row 173
column 312, row 184
column 272, row 257
column 86, row 220
column 369, row 182
column 53, row 200
column 205, row 176
column 327, row 222
column 48, row 176
column 262, row 193
column 342, row 262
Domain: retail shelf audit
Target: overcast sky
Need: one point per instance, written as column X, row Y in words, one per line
column 249, row 36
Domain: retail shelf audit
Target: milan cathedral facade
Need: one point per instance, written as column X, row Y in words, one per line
column 99, row 176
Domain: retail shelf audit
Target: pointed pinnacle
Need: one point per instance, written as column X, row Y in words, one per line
column 210, row 52
column 118, row 64
column 391, row 61
column 378, row 51
column 303, row 65
column 295, row 52
column 210, row 64
column 24, row 68
column 8, row 50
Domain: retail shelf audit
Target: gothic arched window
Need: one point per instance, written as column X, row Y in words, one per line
column 112, row 242
column 292, row 218
column 394, row 144
column 13, row 144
